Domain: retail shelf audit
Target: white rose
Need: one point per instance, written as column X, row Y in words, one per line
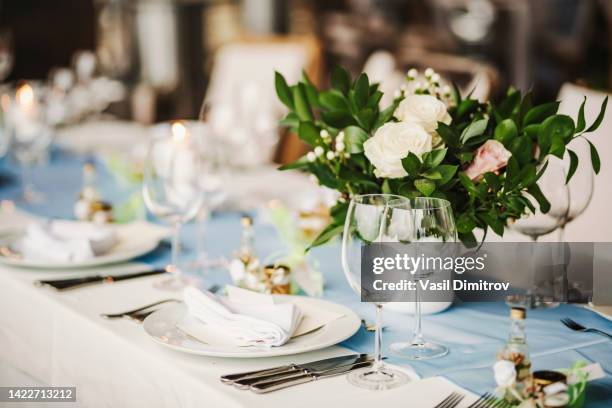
column 423, row 110
column 391, row 143
column 505, row 373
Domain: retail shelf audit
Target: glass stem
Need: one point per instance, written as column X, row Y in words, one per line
column 378, row 339
column 176, row 242
column 26, row 180
column 418, row 335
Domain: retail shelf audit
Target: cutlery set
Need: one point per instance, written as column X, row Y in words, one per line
column 276, row 378
column 71, row 283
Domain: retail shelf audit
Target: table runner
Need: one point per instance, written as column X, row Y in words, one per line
column 474, row 332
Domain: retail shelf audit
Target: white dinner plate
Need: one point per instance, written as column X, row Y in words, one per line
column 134, row 239
column 162, row 327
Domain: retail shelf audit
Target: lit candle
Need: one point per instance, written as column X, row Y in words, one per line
column 179, row 132
column 25, row 98
column 24, row 114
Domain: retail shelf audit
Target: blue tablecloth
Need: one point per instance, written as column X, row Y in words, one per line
column 473, row 332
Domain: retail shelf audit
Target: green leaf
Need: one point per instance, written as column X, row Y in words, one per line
column 573, row 165
column 411, row 164
column 528, row 175
column 468, row 239
column 291, row 120
column 542, row 170
column 532, row 131
column 447, row 171
column 333, row 100
column 385, row 115
column 492, row 181
column 298, row 164
column 354, row 137
column 522, row 148
column 448, row 135
column 432, row 175
column 581, row 123
column 309, row 133
column 353, row 177
column 466, row 107
column 526, row 105
column 338, row 119
column 465, row 157
column 374, row 99
column 327, row 234
column 492, row 220
column 506, row 132
column 465, row 223
column 302, row 108
column 338, row 212
column 324, row 175
column 456, row 94
column 554, row 133
column 282, row 90
column 509, row 104
column 365, row 118
column 596, row 163
column 361, row 88
column 539, row 113
column 512, row 174
column 469, row 186
column 426, row 187
column 535, row 191
column 602, row 112
column 475, row 128
column 340, row 79
column 435, row 157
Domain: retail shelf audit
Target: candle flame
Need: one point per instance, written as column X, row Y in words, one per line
column 179, row 132
column 25, row 95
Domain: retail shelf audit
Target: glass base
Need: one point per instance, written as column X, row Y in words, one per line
column 418, row 351
column 383, row 378
column 175, row 283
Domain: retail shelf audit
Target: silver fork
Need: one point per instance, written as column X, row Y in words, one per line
column 128, row 313
column 451, row 401
column 488, row 400
column 573, row 325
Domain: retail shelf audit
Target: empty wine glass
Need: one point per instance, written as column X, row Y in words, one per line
column 553, row 187
column 580, row 186
column 30, row 133
column 171, row 187
column 432, row 221
column 369, row 219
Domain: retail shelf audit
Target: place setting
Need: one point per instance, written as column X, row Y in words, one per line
column 245, row 204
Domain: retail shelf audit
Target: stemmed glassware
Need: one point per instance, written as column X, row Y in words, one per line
column 171, row 187
column 580, row 186
column 29, row 131
column 371, row 218
column 431, row 221
column 553, row 187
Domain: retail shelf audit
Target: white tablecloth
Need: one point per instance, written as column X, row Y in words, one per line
column 59, row 339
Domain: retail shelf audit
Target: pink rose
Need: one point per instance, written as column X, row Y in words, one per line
column 491, row 156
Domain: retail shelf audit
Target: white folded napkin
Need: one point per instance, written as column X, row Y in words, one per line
column 245, row 324
column 66, row 241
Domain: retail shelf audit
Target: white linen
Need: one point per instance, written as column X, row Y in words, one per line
column 66, row 241
column 244, row 323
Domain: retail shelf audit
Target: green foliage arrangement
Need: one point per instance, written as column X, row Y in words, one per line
column 485, row 158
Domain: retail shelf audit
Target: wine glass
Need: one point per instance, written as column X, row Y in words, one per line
column 368, row 220
column 6, row 53
column 580, row 186
column 553, row 187
column 171, row 187
column 30, row 133
column 432, row 222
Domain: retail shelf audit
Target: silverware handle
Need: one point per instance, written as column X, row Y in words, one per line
column 245, row 382
column 600, row 332
column 269, row 386
column 128, row 312
column 230, row 378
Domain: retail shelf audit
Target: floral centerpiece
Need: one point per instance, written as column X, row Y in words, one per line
column 485, row 158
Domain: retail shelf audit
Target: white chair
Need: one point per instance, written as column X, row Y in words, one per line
column 242, row 104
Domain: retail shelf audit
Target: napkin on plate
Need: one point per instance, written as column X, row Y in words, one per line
column 66, row 241
column 245, row 324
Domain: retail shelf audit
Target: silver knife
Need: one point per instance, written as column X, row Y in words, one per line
column 269, row 386
column 317, row 366
column 64, row 284
column 314, row 365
